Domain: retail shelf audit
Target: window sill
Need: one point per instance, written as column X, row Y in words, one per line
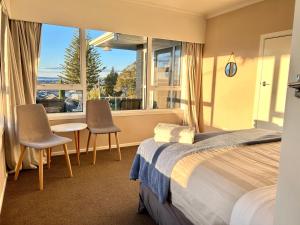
column 81, row 115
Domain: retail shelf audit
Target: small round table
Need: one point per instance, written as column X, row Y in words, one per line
column 71, row 127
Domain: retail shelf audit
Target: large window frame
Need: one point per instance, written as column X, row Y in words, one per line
column 148, row 88
column 153, row 87
column 70, row 87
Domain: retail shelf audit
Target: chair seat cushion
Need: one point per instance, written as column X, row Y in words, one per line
column 46, row 142
column 104, row 130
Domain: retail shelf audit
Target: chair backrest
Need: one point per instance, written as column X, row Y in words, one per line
column 98, row 114
column 32, row 122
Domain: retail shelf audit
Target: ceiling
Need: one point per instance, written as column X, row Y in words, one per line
column 207, row 8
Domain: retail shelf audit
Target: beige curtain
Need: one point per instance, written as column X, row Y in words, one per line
column 19, row 55
column 191, row 70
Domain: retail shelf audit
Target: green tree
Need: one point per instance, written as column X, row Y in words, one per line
column 109, row 83
column 61, row 93
column 126, row 82
column 71, row 68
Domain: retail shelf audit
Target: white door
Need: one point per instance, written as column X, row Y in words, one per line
column 273, row 82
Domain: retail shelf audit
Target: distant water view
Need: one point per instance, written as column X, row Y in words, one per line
column 58, row 101
column 47, row 80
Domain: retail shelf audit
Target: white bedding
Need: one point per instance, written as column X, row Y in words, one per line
column 255, row 208
column 208, row 186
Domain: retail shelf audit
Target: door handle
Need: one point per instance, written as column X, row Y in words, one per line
column 264, row 83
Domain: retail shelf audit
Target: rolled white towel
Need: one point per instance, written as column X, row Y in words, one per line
column 165, row 132
column 168, row 129
column 182, row 140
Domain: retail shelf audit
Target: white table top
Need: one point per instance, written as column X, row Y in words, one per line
column 68, row 127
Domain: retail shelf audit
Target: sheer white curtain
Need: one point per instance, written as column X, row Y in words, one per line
column 20, row 42
column 191, row 70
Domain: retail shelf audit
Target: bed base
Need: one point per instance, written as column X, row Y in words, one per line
column 162, row 214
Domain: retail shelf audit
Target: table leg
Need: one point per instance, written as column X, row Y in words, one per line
column 78, row 144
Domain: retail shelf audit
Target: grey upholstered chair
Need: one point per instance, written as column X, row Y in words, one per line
column 99, row 121
column 34, row 132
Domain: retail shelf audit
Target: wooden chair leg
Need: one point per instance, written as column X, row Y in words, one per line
column 48, row 157
column 118, row 146
column 94, row 149
column 68, row 160
column 19, row 164
column 88, row 143
column 41, row 172
column 109, row 142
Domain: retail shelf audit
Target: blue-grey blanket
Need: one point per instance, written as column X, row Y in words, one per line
column 154, row 161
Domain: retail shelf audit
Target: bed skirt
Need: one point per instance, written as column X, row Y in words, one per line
column 162, row 214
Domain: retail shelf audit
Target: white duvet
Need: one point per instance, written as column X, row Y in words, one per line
column 255, row 208
column 227, row 186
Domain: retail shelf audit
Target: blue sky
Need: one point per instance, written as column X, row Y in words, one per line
column 55, row 39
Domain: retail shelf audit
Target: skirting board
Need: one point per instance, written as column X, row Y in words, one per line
column 73, row 151
column 2, row 193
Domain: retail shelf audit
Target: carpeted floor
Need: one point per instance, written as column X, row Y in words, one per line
column 100, row 194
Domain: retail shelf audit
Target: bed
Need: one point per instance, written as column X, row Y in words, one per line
column 209, row 182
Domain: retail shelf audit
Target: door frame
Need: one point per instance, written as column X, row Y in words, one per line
column 263, row 38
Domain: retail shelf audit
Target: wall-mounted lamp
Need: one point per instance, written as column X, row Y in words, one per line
column 106, row 48
column 231, row 66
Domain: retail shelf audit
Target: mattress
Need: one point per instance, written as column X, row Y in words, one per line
column 155, row 161
column 206, row 186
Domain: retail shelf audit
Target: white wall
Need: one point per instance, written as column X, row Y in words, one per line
column 110, row 15
column 288, row 195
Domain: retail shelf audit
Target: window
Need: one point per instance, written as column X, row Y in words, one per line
column 76, row 65
column 56, row 101
column 165, row 79
column 59, row 86
column 121, row 60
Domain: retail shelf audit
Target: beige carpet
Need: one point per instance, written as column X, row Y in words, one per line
column 100, row 194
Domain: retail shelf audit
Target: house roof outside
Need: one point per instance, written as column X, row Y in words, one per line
column 119, row 41
column 111, row 40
